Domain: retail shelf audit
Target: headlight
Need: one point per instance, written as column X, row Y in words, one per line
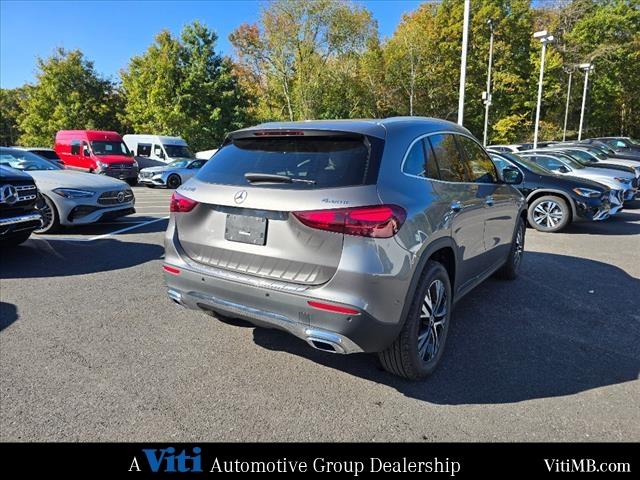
column 587, row 192
column 135, row 164
column 622, row 179
column 102, row 166
column 73, row 193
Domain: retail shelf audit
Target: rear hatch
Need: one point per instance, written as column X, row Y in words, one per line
column 248, row 192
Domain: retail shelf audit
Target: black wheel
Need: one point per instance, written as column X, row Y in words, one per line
column 15, row 240
column 50, row 216
column 132, row 182
column 150, row 185
column 418, row 349
column 549, row 214
column 509, row 270
column 174, row 181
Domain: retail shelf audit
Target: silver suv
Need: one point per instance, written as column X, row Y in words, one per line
column 353, row 235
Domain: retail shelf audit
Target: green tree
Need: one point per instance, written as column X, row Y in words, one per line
column 10, row 110
column 68, row 94
column 299, row 51
column 181, row 86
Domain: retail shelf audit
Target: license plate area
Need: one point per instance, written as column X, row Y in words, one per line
column 246, row 229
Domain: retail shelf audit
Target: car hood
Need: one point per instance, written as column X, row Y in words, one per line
column 47, row 180
column 607, row 180
column 158, row 169
column 11, row 174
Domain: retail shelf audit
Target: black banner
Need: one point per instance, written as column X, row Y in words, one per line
column 452, row 460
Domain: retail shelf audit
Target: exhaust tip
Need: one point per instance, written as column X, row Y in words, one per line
column 175, row 296
column 324, row 346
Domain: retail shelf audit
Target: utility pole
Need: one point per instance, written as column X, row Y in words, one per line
column 463, row 62
column 545, row 38
column 568, row 70
column 586, row 67
column 487, row 99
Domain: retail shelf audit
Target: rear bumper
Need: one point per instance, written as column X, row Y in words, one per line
column 19, row 224
column 285, row 306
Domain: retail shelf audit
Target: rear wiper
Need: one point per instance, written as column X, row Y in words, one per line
column 274, row 178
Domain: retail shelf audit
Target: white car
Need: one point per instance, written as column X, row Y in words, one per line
column 587, row 157
column 619, row 181
column 70, row 197
column 172, row 175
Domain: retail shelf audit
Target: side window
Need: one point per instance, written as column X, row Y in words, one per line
column 448, row 157
column 197, row 164
column 75, row 147
column 144, row 150
column 479, row 164
column 420, row 161
column 500, row 162
column 85, row 149
column 549, row 163
column 157, row 151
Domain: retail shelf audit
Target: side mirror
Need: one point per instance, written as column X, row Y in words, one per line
column 85, row 152
column 511, row 176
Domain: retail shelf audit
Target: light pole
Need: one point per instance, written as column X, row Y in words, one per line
column 463, row 62
column 487, row 100
column 545, row 38
column 568, row 70
column 586, row 67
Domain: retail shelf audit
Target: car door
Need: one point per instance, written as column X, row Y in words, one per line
column 467, row 212
column 499, row 201
column 158, row 153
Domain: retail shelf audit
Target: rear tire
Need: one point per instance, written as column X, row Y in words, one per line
column 174, row 181
column 549, row 214
column 509, row 271
column 417, row 350
column 15, row 240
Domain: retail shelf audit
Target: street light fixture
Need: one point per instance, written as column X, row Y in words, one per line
column 570, row 71
column 487, row 94
column 586, row 67
column 545, row 38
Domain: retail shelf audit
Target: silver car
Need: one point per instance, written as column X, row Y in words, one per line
column 69, row 197
column 355, row 236
column 172, row 175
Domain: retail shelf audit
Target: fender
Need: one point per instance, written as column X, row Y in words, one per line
column 417, row 272
column 560, row 193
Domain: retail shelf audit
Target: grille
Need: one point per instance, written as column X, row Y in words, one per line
column 26, row 192
column 116, row 197
column 119, row 166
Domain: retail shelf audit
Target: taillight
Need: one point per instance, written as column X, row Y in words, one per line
column 330, row 307
column 181, row 203
column 171, row 270
column 378, row 221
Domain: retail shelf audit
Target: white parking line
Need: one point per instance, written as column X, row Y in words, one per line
column 122, row 230
column 99, row 237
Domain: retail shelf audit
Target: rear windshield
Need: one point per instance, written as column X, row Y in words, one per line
column 313, row 161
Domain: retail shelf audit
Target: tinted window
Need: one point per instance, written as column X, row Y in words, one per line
column 481, row 169
column 144, row 149
column 324, row 161
column 197, row 164
column 549, row 163
column 48, row 154
column 75, row 147
column 157, row 151
column 448, row 157
column 178, row 151
column 420, row 161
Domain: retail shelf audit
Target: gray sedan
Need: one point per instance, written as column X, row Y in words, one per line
column 69, row 197
column 172, row 175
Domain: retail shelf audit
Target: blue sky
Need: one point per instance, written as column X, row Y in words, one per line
column 110, row 32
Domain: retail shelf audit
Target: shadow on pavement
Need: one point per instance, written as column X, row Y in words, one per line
column 8, row 314
column 60, row 258
column 543, row 335
column 622, row 223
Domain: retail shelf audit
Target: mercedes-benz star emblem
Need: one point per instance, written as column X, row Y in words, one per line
column 240, row 196
column 120, row 197
column 9, row 194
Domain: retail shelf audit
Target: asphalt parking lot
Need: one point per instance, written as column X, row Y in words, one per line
column 92, row 349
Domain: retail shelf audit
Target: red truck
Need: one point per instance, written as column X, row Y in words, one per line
column 96, row 151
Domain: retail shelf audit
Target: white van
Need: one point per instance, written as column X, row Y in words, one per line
column 158, row 147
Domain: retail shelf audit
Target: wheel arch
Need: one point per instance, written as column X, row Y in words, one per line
column 559, row 193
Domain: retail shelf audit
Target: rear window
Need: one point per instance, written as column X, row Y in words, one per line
column 310, row 161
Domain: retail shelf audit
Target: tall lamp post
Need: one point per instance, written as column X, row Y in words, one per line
column 463, row 62
column 545, row 38
column 586, row 67
column 487, row 94
column 568, row 70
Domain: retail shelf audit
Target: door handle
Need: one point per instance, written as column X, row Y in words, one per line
column 489, row 201
column 456, row 206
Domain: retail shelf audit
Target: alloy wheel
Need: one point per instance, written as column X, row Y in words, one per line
column 433, row 317
column 548, row 214
column 517, row 254
column 46, row 210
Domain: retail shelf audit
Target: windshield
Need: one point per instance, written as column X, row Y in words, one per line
column 109, row 148
column 569, row 159
column 524, row 162
column 179, row 163
column 582, row 155
column 22, row 160
column 177, row 151
column 314, row 161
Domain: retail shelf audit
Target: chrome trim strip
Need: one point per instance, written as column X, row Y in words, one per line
column 32, row 217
